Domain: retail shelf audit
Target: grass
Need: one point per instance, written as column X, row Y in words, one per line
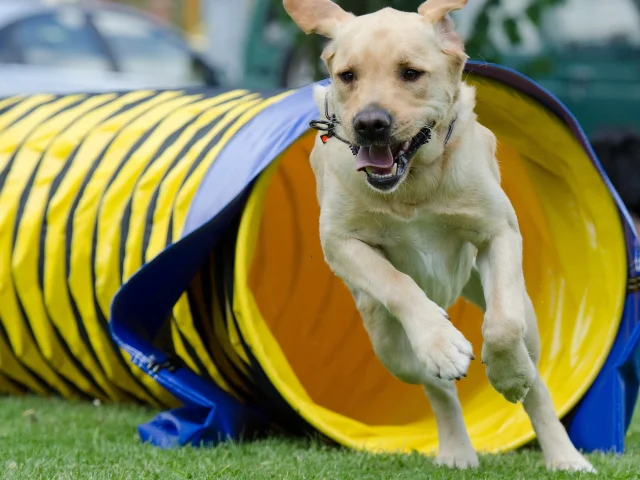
column 51, row 439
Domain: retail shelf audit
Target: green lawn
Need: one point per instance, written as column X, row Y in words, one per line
column 51, row 439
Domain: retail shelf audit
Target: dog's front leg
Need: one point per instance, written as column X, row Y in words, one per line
column 439, row 347
column 512, row 347
column 504, row 352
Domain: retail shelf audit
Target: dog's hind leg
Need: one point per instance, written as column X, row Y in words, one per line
column 392, row 346
column 558, row 451
column 454, row 445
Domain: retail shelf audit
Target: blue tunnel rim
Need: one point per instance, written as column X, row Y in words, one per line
column 212, row 208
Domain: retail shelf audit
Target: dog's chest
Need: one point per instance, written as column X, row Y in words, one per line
column 430, row 251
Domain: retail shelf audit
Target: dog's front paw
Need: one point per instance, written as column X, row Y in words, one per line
column 510, row 371
column 443, row 351
column 462, row 460
column 572, row 463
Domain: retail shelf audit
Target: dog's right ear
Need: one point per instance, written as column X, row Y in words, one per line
column 317, row 16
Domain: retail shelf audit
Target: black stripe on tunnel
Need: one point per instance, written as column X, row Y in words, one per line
column 144, row 108
column 101, row 315
column 36, row 379
column 130, row 100
column 22, row 201
column 280, row 411
column 42, row 253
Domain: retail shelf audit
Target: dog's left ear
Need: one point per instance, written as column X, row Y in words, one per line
column 437, row 12
column 317, row 16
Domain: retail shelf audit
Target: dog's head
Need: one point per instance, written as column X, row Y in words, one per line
column 393, row 74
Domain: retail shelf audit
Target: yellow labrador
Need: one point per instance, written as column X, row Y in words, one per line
column 413, row 215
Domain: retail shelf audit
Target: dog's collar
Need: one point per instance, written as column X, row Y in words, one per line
column 328, row 129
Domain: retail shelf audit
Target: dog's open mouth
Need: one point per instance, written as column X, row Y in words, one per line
column 386, row 165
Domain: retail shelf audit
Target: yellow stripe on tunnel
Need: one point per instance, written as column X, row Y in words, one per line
column 25, row 146
column 7, row 387
column 166, row 204
column 56, row 298
column 89, row 210
column 49, row 139
column 189, row 189
column 168, row 189
column 14, row 370
column 58, row 215
column 13, row 126
column 302, row 326
column 244, row 113
column 98, row 185
column 151, row 180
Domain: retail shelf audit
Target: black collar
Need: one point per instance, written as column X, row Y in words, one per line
column 328, row 129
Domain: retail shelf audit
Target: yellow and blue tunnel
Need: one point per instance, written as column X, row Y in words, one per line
column 162, row 247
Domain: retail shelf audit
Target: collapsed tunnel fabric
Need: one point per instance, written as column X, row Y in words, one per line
column 162, row 247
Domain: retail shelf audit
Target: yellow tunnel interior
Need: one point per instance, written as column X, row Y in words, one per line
column 301, row 323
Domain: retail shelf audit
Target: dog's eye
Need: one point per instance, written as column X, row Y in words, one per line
column 410, row 74
column 347, row 77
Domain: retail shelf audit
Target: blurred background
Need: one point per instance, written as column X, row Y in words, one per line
column 586, row 52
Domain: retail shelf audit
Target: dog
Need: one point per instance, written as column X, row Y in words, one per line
column 417, row 217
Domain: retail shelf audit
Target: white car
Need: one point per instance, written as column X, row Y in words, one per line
column 92, row 47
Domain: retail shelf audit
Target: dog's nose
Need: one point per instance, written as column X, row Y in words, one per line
column 372, row 124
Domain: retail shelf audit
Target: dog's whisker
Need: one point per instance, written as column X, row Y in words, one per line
column 483, row 59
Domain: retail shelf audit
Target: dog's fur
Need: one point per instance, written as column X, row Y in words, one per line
column 446, row 229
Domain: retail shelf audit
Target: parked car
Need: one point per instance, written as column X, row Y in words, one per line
column 591, row 47
column 92, row 47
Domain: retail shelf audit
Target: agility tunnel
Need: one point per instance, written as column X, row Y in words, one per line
column 162, row 247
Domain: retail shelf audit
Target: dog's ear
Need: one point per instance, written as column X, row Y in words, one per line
column 437, row 10
column 317, row 16
column 451, row 42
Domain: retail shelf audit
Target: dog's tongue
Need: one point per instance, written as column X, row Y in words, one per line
column 374, row 156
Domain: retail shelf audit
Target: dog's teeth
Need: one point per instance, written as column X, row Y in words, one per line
column 373, row 174
column 377, row 175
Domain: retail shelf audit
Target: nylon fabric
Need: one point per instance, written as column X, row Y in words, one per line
column 84, row 177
